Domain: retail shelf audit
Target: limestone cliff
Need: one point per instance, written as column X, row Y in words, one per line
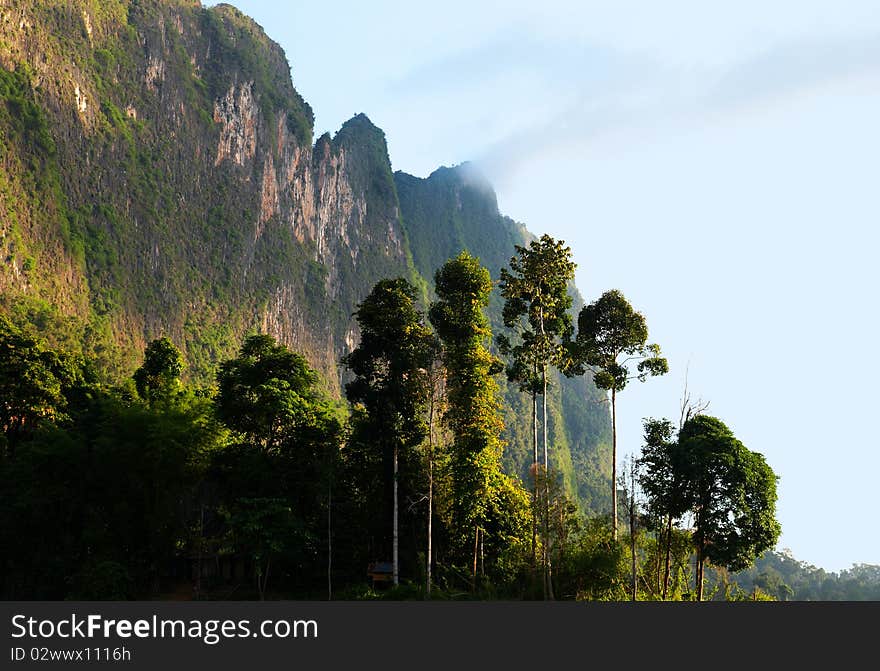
column 158, row 176
column 186, row 196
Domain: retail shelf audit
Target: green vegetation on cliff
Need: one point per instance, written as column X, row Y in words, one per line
column 158, row 178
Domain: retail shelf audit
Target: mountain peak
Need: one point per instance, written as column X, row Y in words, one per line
column 469, row 174
column 360, row 124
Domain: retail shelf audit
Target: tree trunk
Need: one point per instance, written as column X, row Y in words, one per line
column 613, row 464
column 632, row 547
column 668, row 553
column 430, row 509
column 329, row 542
column 476, row 549
column 266, row 577
column 432, row 411
column 261, row 583
column 482, row 556
column 395, row 568
column 548, row 570
column 201, row 548
column 563, row 538
column 658, row 564
column 544, row 419
column 534, row 479
column 699, row 571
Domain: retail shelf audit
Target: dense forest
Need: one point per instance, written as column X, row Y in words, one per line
column 261, row 485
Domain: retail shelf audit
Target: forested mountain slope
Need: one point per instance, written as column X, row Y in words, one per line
column 158, row 176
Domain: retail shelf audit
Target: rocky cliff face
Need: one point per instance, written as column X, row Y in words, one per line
column 188, row 182
column 158, row 176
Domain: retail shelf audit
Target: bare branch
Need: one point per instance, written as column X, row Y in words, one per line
column 689, row 408
column 414, row 502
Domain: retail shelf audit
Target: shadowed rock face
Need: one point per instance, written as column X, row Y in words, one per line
column 158, row 177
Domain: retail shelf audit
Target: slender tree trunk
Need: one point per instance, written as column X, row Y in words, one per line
column 430, row 532
column 548, row 569
column 658, row 563
column 266, row 577
column 261, row 584
column 476, row 549
column 613, row 464
column 395, row 568
column 632, row 546
column 432, row 411
column 329, row 542
column 430, row 504
column 201, row 544
column 700, row 571
column 668, row 553
column 534, row 479
column 544, row 419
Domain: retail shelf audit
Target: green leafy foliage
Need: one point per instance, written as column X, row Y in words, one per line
column 267, row 394
column 609, row 329
column 536, row 307
column 104, row 488
column 729, row 491
column 785, row 578
column 732, row 492
column 479, row 504
column 159, row 376
column 391, row 382
column 537, row 303
column 24, row 115
column 391, row 362
column 610, row 335
column 263, row 529
column 33, row 382
column 273, row 478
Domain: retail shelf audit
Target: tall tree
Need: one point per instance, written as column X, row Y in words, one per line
column 286, row 435
column 485, row 502
column 391, row 368
column 611, row 335
column 732, row 496
column 537, row 302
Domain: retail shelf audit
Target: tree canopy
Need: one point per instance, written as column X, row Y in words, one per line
column 729, row 491
column 159, row 375
column 611, row 335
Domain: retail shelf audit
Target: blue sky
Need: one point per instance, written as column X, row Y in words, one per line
column 717, row 165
